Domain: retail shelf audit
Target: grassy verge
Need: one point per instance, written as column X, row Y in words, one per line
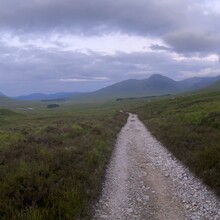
column 190, row 128
column 52, row 165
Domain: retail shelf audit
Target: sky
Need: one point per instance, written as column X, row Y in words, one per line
column 53, row 46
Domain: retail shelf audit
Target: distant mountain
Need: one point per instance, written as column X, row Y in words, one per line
column 215, row 87
column 4, row 97
column 5, row 101
column 155, row 85
column 199, row 82
column 41, row 96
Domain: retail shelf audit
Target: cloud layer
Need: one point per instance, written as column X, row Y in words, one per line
column 54, row 70
column 39, row 49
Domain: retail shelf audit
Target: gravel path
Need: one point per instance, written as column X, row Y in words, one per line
column 144, row 181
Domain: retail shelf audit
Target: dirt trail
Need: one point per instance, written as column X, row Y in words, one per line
column 144, row 181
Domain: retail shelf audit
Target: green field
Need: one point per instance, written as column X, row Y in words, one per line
column 52, row 162
column 189, row 126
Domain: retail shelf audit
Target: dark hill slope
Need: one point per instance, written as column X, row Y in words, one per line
column 41, row 96
column 153, row 86
column 215, row 87
column 199, row 82
column 6, row 102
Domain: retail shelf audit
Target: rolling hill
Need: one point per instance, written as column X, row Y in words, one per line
column 215, row 87
column 155, row 85
column 199, row 82
column 4, row 98
column 6, row 102
column 41, row 96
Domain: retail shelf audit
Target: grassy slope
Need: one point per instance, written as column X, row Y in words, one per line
column 155, row 85
column 5, row 101
column 52, row 162
column 189, row 127
column 213, row 88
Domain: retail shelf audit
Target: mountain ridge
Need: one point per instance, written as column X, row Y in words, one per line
column 215, row 87
column 155, row 85
column 42, row 96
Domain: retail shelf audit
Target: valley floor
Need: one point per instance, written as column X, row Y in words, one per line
column 144, row 181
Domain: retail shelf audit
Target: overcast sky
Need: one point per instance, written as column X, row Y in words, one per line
column 81, row 45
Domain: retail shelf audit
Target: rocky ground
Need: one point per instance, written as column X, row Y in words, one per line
column 144, row 181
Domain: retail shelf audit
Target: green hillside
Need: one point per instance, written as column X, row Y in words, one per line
column 16, row 105
column 5, row 101
column 6, row 112
column 52, row 164
column 189, row 126
column 213, row 88
column 156, row 85
column 4, row 98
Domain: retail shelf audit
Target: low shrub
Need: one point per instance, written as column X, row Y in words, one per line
column 55, row 169
column 190, row 128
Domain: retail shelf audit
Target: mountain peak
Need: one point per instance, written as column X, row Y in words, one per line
column 158, row 77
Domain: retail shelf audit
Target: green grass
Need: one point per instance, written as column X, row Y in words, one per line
column 52, row 162
column 190, row 128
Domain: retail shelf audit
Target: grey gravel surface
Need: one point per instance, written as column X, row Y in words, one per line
column 144, row 181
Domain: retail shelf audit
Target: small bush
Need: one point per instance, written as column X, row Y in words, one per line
column 53, row 106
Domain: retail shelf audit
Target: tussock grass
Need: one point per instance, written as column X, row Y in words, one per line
column 190, row 128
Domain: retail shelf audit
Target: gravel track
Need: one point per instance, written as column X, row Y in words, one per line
column 144, row 181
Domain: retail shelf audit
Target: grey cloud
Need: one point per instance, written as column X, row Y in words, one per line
column 188, row 41
column 154, row 62
column 159, row 47
column 167, row 20
column 130, row 16
column 184, row 25
column 37, row 70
